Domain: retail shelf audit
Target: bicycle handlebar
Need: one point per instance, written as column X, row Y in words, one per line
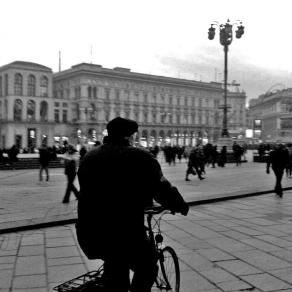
column 155, row 209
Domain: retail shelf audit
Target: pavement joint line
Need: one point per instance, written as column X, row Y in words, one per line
column 73, row 220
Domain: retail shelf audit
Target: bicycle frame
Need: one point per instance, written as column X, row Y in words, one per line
column 157, row 240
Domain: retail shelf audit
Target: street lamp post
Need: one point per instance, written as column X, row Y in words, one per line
column 226, row 35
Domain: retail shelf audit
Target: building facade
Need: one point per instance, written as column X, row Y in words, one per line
column 270, row 116
column 76, row 104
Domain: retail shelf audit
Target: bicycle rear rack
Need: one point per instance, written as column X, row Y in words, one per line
column 90, row 281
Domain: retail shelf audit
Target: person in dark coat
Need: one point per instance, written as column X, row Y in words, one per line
column 222, row 157
column 277, row 160
column 117, row 181
column 44, row 160
column 12, row 155
column 82, row 152
column 70, row 172
column 194, row 165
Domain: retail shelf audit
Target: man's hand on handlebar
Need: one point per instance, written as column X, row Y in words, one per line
column 183, row 210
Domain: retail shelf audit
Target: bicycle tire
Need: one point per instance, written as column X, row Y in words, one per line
column 168, row 277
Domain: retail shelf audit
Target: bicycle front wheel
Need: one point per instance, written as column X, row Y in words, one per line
column 168, row 278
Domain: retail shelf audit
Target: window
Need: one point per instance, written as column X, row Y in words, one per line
column 107, row 116
column 92, row 112
column 117, row 92
column 57, row 104
column 200, row 102
column 145, row 98
column 18, row 84
column 145, row 117
column 200, row 118
column 31, row 85
column 107, row 93
column 6, row 85
column 77, row 91
column 44, row 86
column 89, row 92
column 170, row 99
column 30, row 114
column 65, row 104
column 56, row 115
column 44, row 111
column 94, row 92
column 65, row 113
column 177, row 119
column 0, row 85
column 17, row 110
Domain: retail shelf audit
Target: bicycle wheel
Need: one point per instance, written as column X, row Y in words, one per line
column 168, row 278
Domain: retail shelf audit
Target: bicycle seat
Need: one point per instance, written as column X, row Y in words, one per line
column 154, row 209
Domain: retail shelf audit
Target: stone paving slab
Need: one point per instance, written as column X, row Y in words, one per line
column 24, row 201
column 218, row 250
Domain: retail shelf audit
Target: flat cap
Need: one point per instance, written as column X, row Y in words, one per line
column 120, row 127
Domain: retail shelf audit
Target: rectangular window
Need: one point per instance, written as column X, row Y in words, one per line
column 57, row 120
column 6, row 85
column 107, row 93
column 0, row 85
column 65, row 114
column 57, row 104
column 117, row 94
column 65, row 104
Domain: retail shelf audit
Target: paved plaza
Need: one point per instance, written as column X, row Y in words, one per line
column 236, row 245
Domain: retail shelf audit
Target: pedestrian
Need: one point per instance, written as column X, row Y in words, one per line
column 194, row 165
column 222, row 157
column 237, row 153
column 44, row 160
column 12, row 155
column 117, row 181
column 214, row 155
column 82, row 152
column 277, row 160
column 70, row 172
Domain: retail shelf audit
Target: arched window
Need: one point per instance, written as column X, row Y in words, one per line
column 31, row 85
column 17, row 110
column 44, row 86
column 18, row 84
column 44, row 111
column 30, row 112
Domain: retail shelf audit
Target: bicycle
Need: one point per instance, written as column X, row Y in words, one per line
column 168, row 277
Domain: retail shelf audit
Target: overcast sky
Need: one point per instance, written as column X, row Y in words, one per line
column 161, row 37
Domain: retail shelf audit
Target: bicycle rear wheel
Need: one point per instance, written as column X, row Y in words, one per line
column 168, row 278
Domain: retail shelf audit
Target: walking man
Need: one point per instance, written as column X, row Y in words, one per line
column 278, row 159
column 70, row 172
column 44, row 159
column 117, row 181
column 194, row 165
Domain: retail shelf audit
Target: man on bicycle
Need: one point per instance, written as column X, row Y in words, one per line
column 117, row 181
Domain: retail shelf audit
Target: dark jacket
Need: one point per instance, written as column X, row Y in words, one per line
column 278, row 159
column 116, row 183
column 44, row 156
